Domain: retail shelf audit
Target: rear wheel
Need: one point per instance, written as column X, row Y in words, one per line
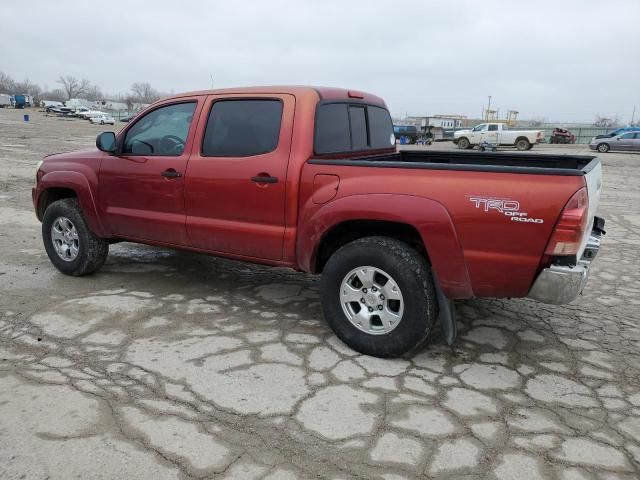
column 604, row 147
column 464, row 143
column 523, row 144
column 378, row 296
column 71, row 246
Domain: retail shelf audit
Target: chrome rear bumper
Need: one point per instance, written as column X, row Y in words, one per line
column 561, row 284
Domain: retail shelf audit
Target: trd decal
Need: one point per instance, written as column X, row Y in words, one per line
column 506, row 207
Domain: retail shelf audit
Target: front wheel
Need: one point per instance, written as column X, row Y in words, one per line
column 464, row 143
column 603, row 148
column 378, row 296
column 71, row 246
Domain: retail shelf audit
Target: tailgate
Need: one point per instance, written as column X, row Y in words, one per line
column 593, row 179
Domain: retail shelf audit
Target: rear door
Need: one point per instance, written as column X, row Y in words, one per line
column 236, row 177
column 492, row 134
column 623, row 142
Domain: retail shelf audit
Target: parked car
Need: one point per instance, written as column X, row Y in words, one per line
column 87, row 114
column 497, row 134
column 103, row 119
column 628, row 141
column 618, row 131
column 410, row 132
column 80, row 111
column 396, row 235
column 562, row 135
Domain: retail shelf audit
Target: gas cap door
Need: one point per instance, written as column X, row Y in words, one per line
column 325, row 187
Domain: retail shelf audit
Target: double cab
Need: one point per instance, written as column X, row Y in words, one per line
column 309, row 178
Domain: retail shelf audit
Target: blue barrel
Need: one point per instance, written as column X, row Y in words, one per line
column 26, row 118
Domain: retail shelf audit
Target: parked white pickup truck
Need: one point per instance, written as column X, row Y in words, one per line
column 497, row 134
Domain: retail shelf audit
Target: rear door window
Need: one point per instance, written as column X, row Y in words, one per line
column 242, row 128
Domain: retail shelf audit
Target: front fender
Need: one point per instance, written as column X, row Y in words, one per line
column 80, row 185
column 428, row 217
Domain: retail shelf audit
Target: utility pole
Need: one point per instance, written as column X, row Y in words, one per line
column 633, row 115
column 488, row 108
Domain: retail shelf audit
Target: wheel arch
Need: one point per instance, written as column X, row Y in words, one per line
column 63, row 184
column 422, row 223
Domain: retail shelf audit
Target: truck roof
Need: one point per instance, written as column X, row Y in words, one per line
column 316, row 93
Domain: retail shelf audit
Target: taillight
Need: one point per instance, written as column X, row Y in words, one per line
column 571, row 227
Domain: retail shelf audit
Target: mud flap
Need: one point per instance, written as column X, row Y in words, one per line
column 447, row 315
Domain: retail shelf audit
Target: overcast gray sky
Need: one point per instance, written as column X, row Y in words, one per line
column 563, row 60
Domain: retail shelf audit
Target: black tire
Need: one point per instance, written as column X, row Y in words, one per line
column 464, row 143
column 523, row 144
column 92, row 250
column 413, row 277
column 604, row 147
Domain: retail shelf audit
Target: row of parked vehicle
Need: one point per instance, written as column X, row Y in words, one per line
column 493, row 135
column 15, row 101
column 94, row 116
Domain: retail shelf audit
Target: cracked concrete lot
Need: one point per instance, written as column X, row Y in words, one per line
column 174, row 365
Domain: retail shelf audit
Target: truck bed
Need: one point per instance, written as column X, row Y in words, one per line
column 503, row 162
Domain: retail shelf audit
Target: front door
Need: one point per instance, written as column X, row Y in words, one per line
column 236, row 179
column 141, row 188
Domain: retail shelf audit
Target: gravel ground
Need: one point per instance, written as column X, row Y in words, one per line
column 173, row 365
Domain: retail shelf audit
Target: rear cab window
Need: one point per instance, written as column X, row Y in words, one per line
column 345, row 127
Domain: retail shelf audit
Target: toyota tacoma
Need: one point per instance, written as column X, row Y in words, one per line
column 309, row 178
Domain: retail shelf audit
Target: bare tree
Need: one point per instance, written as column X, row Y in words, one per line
column 7, row 84
column 93, row 93
column 608, row 122
column 74, row 87
column 57, row 95
column 144, row 92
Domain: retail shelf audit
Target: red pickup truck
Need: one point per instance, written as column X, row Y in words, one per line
column 309, row 178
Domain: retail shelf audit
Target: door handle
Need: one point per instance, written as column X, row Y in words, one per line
column 171, row 173
column 264, row 179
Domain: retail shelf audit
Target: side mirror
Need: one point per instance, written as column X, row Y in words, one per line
column 106, row 142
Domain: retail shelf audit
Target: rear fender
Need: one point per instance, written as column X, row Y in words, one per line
column 80, row 185
column 428, row 217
